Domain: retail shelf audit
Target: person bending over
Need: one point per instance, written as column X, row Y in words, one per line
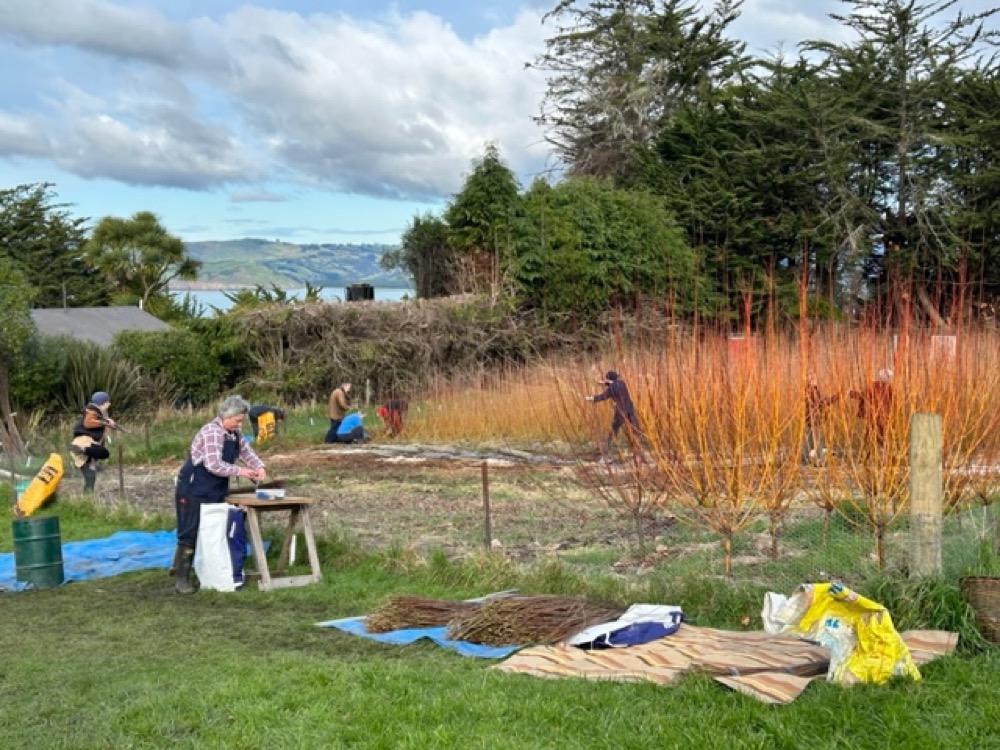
column 89, row 434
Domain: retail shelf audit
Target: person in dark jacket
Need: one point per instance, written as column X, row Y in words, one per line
column 616, row 390
column 264, row 421
column 89, row 434
column 814, row 445
column 205, row 475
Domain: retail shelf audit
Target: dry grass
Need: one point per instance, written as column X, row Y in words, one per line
column 725, row 421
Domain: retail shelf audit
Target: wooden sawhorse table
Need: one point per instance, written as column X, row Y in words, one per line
column 298, row 508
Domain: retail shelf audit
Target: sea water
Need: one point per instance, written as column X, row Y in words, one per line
column 216, row 298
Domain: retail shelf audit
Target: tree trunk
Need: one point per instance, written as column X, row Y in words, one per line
column 880, row 546
column 13, row 445
column 928, row 307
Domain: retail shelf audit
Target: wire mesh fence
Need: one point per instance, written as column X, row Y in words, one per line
column 810, row 544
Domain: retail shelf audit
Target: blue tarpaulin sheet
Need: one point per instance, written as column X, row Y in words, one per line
column 356, row 626
column 122, row 552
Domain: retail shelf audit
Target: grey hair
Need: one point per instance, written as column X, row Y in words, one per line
column 233, row 405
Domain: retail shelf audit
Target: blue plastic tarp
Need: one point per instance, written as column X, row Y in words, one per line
column 122, row 552
column 356, row 626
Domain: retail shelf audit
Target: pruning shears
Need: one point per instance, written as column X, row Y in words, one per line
column 117, row 427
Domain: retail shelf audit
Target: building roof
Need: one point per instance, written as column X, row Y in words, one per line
column 97, row 324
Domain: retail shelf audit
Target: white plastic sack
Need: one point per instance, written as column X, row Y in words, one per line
column 667, row 615
column 773, row 614
column 212, row 560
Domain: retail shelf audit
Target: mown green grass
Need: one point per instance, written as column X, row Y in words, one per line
column 125, row 662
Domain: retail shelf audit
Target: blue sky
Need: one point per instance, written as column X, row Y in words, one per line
column 300, row 120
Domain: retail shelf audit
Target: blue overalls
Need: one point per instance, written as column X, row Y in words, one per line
column 197, row 485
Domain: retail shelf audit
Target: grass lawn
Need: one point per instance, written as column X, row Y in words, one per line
column 125, row 662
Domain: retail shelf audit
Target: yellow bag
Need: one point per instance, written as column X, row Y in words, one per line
column 266, row 426
column 863, row 642
column 42, row 487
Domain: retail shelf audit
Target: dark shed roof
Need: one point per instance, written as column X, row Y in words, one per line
column 97, row 324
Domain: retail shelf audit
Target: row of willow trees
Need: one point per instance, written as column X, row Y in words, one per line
column 866, row 172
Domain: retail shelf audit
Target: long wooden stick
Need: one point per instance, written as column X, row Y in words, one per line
column 487, row 520
column 121, row 474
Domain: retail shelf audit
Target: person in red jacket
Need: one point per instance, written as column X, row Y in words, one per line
column 392, row 412
column 875, row 408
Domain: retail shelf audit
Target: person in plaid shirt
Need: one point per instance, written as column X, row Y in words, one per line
column 204, row 478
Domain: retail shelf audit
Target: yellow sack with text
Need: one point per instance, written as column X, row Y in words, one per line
column 43, row 486
column 266, row 426
column 864, row 644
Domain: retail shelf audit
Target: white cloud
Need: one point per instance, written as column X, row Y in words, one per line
column 256, row 196
column 167, row 149
column 767, row 25
column 20, row 136
column 396, row 109
column 121, row 31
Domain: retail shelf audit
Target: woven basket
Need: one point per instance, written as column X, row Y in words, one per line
column 983, row 593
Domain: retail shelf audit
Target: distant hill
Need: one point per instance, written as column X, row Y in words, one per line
column 249, row 262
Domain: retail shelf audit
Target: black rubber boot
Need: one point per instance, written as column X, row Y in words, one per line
column 185, row 557
column 173, row 566
column 89, row 477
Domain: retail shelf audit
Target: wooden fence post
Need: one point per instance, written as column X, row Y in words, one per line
column 121, row 474
column 487, row 520
column 926, row 492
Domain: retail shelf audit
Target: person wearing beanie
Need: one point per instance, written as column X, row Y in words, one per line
column 616, row 390
column 89, row 432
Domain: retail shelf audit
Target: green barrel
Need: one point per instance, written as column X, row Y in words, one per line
column 38, row 551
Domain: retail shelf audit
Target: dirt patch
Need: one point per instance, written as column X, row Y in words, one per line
column 418, row 497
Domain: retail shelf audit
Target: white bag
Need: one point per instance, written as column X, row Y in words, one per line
column 213, row 563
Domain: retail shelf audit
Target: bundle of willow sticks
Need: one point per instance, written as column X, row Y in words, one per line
column 406, row 611
column 522, row 620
